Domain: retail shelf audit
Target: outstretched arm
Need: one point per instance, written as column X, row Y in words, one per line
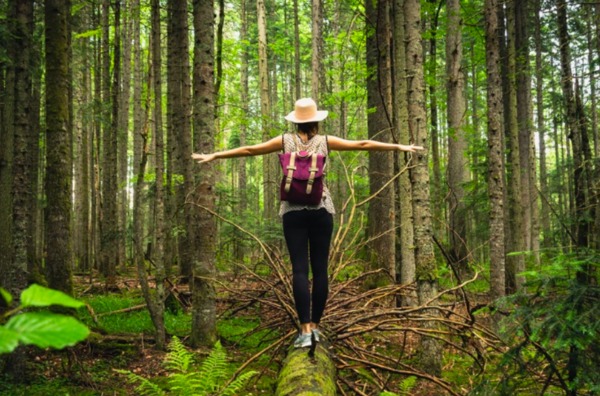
column 336, row 143
column 267, row 147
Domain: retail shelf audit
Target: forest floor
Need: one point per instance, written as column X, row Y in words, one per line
column 122, row 339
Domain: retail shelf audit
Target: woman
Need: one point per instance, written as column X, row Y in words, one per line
column 307, row 228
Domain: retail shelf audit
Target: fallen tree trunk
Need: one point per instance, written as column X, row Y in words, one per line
column 305, row 375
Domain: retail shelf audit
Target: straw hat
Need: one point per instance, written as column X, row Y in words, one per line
column 305, row 110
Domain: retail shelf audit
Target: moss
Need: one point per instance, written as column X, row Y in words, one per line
column 304, row 376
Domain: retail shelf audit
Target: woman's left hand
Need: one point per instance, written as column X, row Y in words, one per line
column 410, row 148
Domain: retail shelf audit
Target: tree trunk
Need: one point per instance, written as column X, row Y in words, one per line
column 437, row 191
column 317, row 49
column 574, row 125
column 515, row 264
column 180, row 102
column 82, row 177
column 457, row 144
column 495, row 151
column 242, row 194
column 6, row 158
column 265, row 111
column 123, row 133
column 58, row 142
column 529, row 195
column 594, row 118
column 109, row 229
column 381, row 226
column 297, row 76
column 21, row 134
column 405, row 264
column 424, row 255
column 156, row 302
column 541, row 127
column 139, row 118
column 204, row 331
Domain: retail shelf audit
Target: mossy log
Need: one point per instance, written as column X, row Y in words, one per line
column 303, row 375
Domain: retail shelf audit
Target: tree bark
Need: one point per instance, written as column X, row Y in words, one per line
column 515, row 264
column 381, row 224
column 58, row 142
column 317, row 49
column 437, row 191
column 265, row 112
column 6, row 158
column 541, row 126
column 204, row 331
column 297, row 76
column 495, row 151
column 424, row 254
column 574, row 126
column 180, row 98
column 457, row 144
column 405, row 252
column 242, row 194
column 108, row 219
column 123, row 131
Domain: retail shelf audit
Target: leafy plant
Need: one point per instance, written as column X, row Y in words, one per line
column 184, row 379
column 41, row 328
column 554, row 332
column 406, row 387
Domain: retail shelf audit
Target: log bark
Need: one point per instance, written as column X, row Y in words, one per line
column 302, row 375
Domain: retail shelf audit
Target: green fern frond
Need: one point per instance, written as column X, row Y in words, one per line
column 178, row 382
column 408, row 384
column 179, row 359
column 235, row 386
column 145, row 387
column 213, row 369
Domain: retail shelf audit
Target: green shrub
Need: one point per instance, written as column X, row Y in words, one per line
column 554, row 331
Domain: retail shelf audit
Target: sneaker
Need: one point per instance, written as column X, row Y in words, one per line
column 303, row 341
column 317, row 334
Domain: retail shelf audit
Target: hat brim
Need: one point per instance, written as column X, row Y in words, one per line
column 319, row 116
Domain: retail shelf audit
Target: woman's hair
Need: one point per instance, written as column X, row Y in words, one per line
column 309, row 128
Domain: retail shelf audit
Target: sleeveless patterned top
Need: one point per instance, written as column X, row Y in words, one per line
column 316, row 144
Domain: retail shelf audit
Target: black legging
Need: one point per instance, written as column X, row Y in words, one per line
column 306, row 230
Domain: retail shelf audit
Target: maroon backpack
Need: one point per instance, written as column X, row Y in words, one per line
column 302, row 181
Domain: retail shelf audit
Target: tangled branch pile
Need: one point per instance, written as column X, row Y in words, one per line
column 374, row 342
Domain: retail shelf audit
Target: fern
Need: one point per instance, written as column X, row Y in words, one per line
column 405, row 387
column 234, row 387
column 214, row 369
column 183, row 380
column 178, row 359
column 145, row 387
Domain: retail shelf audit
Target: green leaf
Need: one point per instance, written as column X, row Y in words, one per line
column 47, row 329
column 6, row 296
column 89, row 33
column 8, row 340
column 40, row 296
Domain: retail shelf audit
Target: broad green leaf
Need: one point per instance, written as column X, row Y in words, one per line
column 40, row 296
column 8, row 340
column 47, row 329
column 6, row 296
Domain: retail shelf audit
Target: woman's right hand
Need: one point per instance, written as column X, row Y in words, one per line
column 203, row 158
